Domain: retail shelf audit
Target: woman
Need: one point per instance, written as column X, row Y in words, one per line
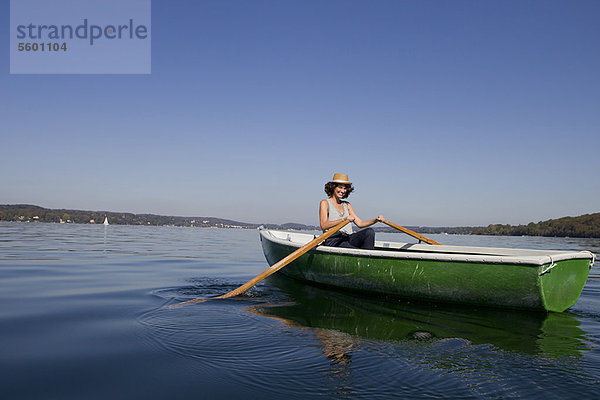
column 334, row 210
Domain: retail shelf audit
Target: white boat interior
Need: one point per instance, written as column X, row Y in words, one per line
column 496, row 255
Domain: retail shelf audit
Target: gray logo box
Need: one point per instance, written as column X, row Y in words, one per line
column 80, row 37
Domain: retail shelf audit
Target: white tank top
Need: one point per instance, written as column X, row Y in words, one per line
column 333, row 214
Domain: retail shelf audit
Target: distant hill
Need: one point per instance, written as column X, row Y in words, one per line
column 587, row 225
column 583, row 226
column 32, row 213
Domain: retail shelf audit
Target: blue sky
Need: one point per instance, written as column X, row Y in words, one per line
column 443, row 113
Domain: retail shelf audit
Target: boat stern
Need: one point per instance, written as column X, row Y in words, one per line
column 561, row 282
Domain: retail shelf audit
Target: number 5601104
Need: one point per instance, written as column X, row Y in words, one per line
column 42, row 46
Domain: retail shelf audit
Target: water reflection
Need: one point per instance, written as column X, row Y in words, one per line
column 338, row 347
column 341, row 319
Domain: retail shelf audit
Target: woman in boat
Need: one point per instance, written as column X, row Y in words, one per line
column 334, row 210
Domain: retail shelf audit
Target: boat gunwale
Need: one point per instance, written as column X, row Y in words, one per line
column 438, row 253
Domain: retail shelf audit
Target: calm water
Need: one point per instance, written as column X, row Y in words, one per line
column 84, row 315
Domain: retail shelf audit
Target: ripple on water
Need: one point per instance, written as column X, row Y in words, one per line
column 229, row 339
column 241, row 341
column 226, row 340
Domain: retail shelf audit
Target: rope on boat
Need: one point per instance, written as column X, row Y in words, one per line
column 593, row 260
column 547, row 269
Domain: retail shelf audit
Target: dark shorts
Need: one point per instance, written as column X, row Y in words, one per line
column 363, row 239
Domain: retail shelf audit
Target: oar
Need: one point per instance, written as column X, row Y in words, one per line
column 274, row 268
column 411, row 233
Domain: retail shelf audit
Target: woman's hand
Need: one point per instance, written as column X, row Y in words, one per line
column 350, row 218
column 380, row 218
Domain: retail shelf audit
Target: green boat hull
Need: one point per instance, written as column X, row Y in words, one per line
column 555, row 286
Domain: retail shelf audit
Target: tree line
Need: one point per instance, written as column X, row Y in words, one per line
column 584, row 226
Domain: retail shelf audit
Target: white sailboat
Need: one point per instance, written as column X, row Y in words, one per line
column 106, row 221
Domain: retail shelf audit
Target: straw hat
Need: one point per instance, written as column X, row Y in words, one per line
column 341, row 178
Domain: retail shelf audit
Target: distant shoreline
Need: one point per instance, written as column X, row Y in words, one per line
column 33, row 213
column 584, row 226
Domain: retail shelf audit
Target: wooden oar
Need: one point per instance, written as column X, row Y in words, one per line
column 411, row 233
column 274, row 268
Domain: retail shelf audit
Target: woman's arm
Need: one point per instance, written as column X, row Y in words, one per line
column 324, row 218
column 359, row 222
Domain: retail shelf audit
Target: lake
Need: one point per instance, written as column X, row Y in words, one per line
column 84, row 314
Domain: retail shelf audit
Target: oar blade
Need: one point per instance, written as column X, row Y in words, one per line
column 271, row 270
column 189, row 302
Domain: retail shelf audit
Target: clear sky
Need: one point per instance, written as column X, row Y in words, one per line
column 443, row 113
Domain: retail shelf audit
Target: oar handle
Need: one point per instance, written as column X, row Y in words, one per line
column 411, row 233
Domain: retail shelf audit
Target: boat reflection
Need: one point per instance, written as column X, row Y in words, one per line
column 343, row 319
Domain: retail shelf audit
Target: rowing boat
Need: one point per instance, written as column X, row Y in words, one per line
column 549, row 280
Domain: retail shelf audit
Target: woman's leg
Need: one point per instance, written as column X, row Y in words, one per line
column 338, row 239
column 363, row 239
